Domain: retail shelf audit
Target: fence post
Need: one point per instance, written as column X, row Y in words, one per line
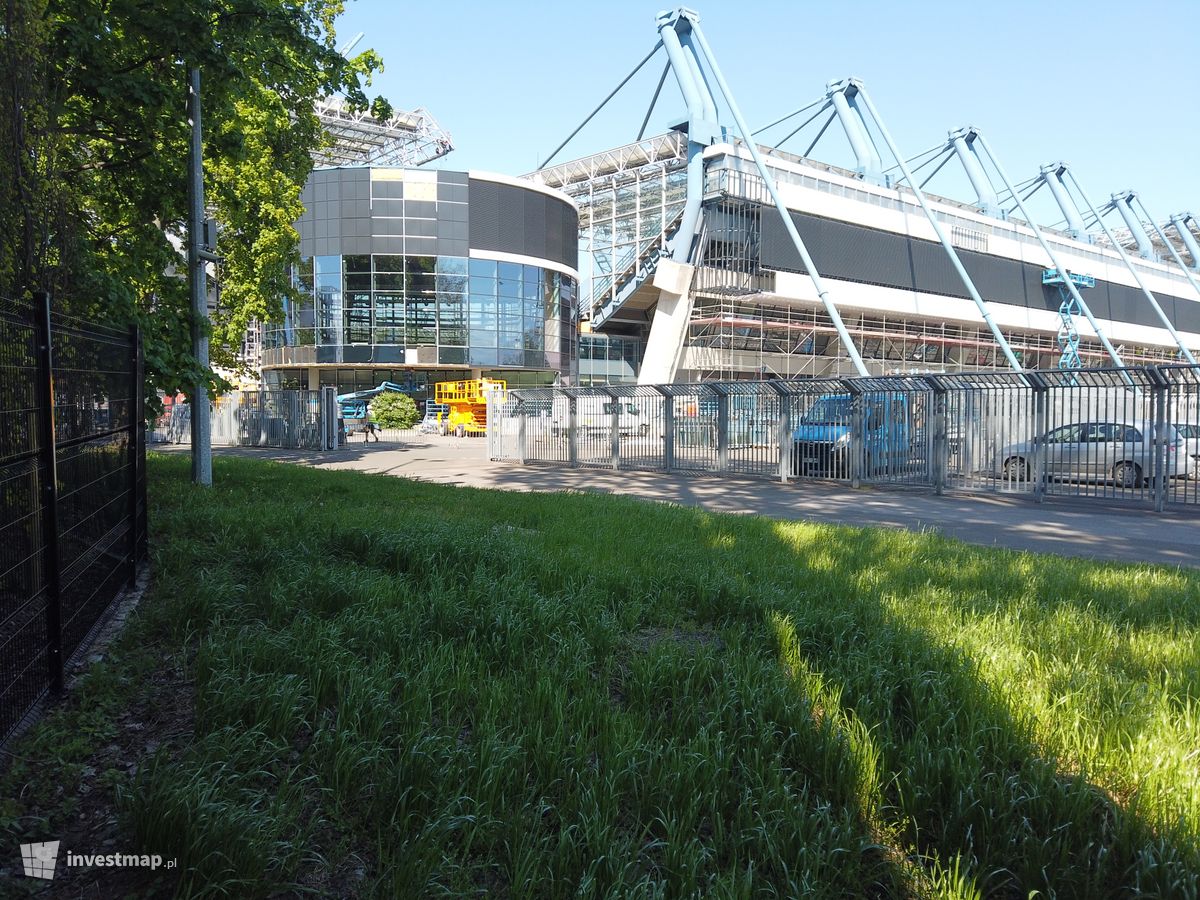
column 135, row 416
column 1040, row 427
column 520, row 411
column 668, row 430
column 857, row 446
column 328, row 418
column 784, row 426
column 48, row 453
column 573, row 430
column 941, row 447
column 140, row 409
column 260, row 439
column 783, row 436
column 1159, row 440
column 723, row 431
column 291, row 430
column 968, row 420
column 615, row 430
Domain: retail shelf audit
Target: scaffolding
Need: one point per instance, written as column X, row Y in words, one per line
column 357, row 138
column 630, row 199
column 755, row 336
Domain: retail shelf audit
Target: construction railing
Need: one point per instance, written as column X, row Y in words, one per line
column 72, row 492
column 1109, row 433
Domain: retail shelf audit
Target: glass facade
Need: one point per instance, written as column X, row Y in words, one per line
column 372, row 308
column 608, row 359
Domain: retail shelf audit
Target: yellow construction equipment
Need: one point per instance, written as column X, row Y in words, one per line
column 467, row 404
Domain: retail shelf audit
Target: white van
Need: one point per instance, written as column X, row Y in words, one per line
column 596, row 414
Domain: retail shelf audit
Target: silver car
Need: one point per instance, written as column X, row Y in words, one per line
column 1191, row 447
column 1120, row 452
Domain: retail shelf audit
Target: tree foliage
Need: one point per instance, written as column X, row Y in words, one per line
column 94, row 150
column 394, row 410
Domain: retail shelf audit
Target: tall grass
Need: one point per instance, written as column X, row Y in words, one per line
column 407, row 689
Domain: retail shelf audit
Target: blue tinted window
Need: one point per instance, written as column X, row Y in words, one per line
column 451, row 265
column 483, row 287
column 483, row 337
column 483, row 304
column 511, row 286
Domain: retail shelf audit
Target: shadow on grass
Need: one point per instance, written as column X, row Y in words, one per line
column 969, row 777
column 460, row 682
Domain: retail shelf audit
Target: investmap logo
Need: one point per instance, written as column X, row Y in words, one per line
column 39, row 859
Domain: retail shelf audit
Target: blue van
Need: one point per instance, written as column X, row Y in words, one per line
column 821, row 439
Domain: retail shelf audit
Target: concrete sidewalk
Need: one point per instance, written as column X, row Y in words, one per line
column 1095, row 529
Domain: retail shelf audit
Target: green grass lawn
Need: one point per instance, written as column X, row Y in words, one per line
column 405, row 689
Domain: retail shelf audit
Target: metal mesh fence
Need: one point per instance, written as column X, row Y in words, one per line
column 72, row 479
column 1103, row 433
column 280, row 419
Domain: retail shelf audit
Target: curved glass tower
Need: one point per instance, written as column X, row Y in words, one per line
column 418, row 276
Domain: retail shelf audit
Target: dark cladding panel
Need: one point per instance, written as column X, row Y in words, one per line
column 568, row 230
column 1170, row 306
column 1099, row 301
column 562, row 232
column 484, row 213
column 506, row 218
column 1143, row 312
column 871, row 256
column 934, row 270
column 1035, row 291
column 534, row 221
column 1190, row 320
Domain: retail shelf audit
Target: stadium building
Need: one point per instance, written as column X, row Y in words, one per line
column 691, row 272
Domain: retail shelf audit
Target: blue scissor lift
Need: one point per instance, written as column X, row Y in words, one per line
column 1068, row 334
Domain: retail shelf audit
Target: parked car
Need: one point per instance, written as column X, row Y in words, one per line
column 821, row 439
column 597, row 415
column 1191, row 447
column 1120, row 452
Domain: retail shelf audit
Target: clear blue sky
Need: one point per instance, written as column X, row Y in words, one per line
column 1110, row 86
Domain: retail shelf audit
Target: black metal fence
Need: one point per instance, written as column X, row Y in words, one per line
column 72, row 491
